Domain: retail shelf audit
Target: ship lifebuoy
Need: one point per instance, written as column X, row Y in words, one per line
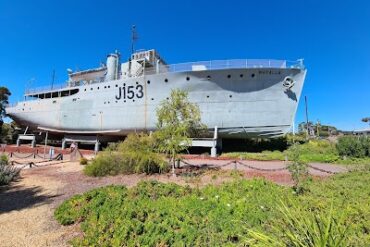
column 288, row 82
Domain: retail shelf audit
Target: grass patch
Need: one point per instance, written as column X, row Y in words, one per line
column 157, row 214
column 321, row 151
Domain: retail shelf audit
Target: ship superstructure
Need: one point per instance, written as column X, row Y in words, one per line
column 243, row 98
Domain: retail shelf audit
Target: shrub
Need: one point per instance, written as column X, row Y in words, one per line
column 7, row 173
column 135, row 155
column 298, row 227
column 354, row 146
column 83, row 161
column 298, row 170
column 157, row 214
column 315, row 151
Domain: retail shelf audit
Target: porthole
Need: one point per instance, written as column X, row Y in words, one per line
column 116, row 85
column 91, row 89
column 133, row 100
column 98, row 88
column 152, row 99
column 229, row 76
column 168, row 98
column 166, row 80
column 241, row 75
column 207, row 96
column 208, row 77
column 85, row 89
column 148, row 82
column 105, row 86
column 188, row 78
column 137, row 83
column 108, row 86
column 253, row 75
column 230, row 96
column 124, row 101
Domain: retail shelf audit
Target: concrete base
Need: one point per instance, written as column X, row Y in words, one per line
column 82, row 139
column 31, row 138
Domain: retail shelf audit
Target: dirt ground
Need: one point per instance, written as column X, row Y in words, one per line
column 28, row 204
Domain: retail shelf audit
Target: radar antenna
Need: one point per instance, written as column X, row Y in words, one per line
column 134, row 38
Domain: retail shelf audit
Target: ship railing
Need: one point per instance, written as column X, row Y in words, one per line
column 225, row 64
column 40, row 90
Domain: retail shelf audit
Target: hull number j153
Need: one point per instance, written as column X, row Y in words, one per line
column 130, row 92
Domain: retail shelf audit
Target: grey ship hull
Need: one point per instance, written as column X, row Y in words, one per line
column 248, row 102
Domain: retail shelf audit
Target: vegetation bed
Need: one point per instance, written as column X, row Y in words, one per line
column 157, row 214
column 347, row 151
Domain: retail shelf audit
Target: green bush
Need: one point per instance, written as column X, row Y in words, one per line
column 354, row 146
column 7, row 173
column 157, row 214
column 316, row 151
column 299, row 227
column 135, row 155
column 83, row 161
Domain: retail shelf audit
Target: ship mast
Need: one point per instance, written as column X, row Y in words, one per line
column 134, row 38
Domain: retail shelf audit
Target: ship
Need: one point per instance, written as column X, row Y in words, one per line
column 241, row 98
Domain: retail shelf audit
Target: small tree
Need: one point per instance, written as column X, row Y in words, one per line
column 4, row 97
column 178, row 120
column 298, row 170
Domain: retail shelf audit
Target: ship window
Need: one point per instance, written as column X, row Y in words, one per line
column 48, row 95
column 229, row 76
column 148, row 82
column 188, row 78
column 54, row 95
column 68, row 92
column 207, row 96
column 230, row 96
column 252, row 75
column 116, row 85
column 54, row 101
column 137, row 83
column 91, row 89
column 241, row 75
column 208, row 77
column 166, row 80
column 85, row 89
column 105, row 86
column 98, row 88
column 152, row 98
column 108, row 86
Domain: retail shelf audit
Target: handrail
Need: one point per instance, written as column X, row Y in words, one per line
column 49, row 88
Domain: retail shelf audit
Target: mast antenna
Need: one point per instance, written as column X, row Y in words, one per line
column 52, row 79
column 134, row 38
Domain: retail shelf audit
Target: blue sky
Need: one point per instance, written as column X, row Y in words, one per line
column 37, row 37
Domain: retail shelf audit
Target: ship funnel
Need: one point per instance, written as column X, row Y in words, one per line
column 112, row 67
